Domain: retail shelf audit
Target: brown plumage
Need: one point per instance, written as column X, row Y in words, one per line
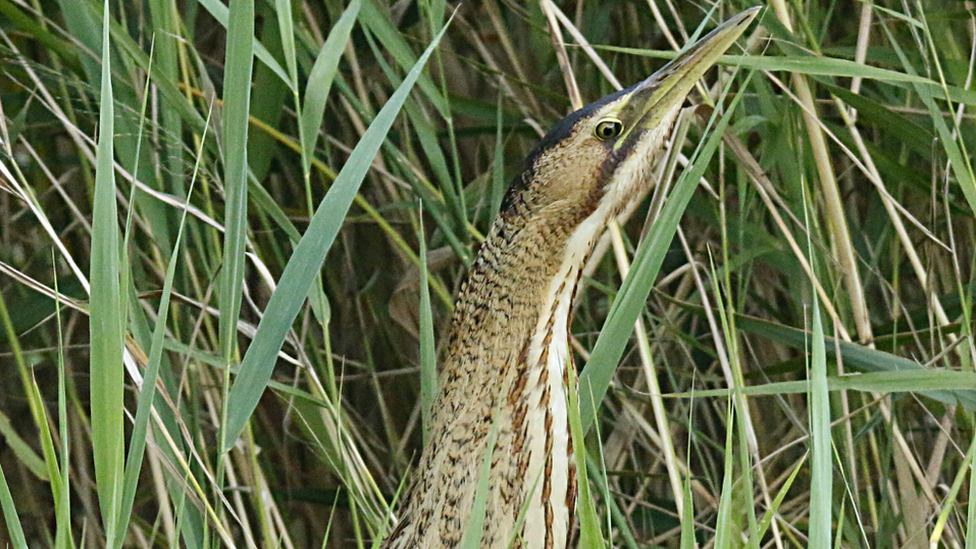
column 507, row 361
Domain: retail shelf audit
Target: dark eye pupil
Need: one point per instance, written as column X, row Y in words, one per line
column 609, row 129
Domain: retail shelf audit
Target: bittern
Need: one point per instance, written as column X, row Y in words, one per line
column 507, row 360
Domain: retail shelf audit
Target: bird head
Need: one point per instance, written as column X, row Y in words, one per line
column 600, row 157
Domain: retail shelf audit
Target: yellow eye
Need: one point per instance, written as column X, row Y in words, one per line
column 608, row 128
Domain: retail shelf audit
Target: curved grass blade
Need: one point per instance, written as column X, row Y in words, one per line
column 935, row 384
column 320, row 81
column 306, row 261
column 17, row 538
column 16, row 531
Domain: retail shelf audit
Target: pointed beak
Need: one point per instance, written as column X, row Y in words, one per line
column 666, row 89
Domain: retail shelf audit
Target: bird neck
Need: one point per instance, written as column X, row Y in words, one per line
column 516, row 301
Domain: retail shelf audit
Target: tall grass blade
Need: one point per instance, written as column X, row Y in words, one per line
column 107, row 316
column 688, row 540
column 237, row 100
column 498, row 186
column 286, row 31
column 62, row 509
column 428, row 348
column 306, row 260
column 821, row 481
column 238, row 68
column 168, row 33
column 971, row 513
column 590, row 534
column 949, row 505
column 723, row 521
column 771, row 512
column 14, row 529
column 475, row 527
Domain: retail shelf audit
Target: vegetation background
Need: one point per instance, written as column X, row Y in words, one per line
column 155, row 185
